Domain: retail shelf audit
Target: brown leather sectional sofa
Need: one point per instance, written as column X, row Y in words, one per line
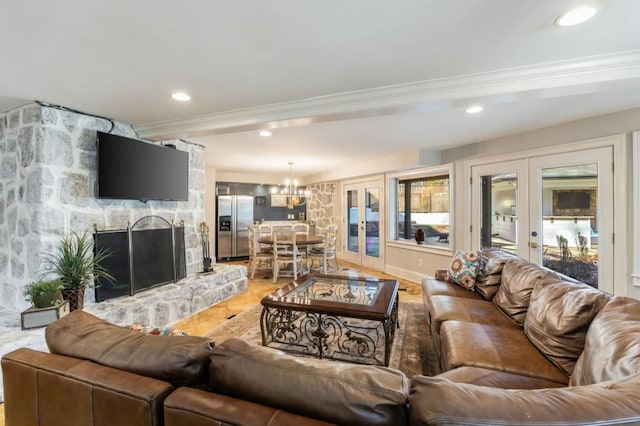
column 524, row 347
column 528, row 346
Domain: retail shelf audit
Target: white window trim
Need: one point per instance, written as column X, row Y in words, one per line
column 392, row 207
column 635, row 272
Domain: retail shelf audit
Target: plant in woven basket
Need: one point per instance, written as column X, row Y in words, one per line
column 75, row 263
column 44, row 294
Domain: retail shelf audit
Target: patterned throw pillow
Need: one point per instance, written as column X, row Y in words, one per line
column 464, row 268
column 147, row 329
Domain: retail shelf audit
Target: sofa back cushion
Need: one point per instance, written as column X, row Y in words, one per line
column 518, row 279
column 558, row 317
column 179, row 360
column 437, row 401
column 490, row 276
column 336, row 392
column 612, row 344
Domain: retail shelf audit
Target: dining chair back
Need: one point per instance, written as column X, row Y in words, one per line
column 301, row 228
column 286, row 263
column 324, row 258
column 259, row 258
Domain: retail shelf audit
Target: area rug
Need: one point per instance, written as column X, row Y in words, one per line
column 411, row 352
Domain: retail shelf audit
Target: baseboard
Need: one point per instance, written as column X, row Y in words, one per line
column 405, row 274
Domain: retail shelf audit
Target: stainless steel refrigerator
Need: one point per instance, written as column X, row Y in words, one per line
column 235, row 214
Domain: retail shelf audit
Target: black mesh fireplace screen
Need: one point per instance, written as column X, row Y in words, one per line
column 148, row 254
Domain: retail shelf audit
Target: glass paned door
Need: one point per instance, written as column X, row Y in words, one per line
column 574, row 215
column 499, row 207
column 554, row 210
column 365, row 232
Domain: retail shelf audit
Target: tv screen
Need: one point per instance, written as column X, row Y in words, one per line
column 137, row 170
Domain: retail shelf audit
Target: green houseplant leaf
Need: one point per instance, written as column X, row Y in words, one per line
column 43, row 294
column 75, row 263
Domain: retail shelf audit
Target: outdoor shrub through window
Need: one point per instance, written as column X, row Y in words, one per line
column 423, row 203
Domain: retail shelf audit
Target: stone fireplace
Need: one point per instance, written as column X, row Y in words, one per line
column 47, row 181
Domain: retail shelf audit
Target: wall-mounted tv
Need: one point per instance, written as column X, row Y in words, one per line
column 133, row 169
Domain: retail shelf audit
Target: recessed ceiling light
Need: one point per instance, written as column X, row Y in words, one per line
column 474, row 109
column 181, row 96
column 265, row 133
column 576, row 16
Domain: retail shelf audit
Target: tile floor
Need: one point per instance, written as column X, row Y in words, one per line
column 202, row 322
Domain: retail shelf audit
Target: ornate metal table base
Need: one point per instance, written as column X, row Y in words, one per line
column 330, row 336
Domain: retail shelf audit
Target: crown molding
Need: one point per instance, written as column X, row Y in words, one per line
column 560, row 78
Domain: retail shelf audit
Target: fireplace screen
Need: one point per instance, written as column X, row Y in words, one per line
column 148, row 254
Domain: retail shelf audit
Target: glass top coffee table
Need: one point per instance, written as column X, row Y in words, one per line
column 339, row 317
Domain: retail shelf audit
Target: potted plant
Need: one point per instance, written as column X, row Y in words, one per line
column 48, row 306
column 76, row 265
column 44, row 294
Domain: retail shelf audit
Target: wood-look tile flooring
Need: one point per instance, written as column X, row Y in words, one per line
column 202, row 322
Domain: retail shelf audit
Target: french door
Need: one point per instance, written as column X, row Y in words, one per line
column 554, row 210
column 363, row 215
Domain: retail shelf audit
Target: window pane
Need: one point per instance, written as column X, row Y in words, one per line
column 499, row 211
column 424, row 204
column 570, row 221
column 352, row 215
column 372, row 226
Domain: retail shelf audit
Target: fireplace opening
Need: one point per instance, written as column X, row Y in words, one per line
column 148, row 254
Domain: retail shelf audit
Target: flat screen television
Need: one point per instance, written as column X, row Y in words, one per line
column 133, row 169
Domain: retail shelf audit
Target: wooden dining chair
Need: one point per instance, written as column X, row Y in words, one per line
column 283, row 259
column 258, row 258
column 301, row 228
column 325, row 256
column 265, row 230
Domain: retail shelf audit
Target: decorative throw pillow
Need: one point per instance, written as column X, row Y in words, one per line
column 147, row 329
column 464, row 268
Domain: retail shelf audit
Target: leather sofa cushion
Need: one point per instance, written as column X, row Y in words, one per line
column 195, row 407
column 497, row 379
column 612, row 344
column 435, row 401
column 558, row 318
column 179, row 360
column 446, row 308
column 494, row 347
column 518, row 279
column 490, row 277
column 332, row 391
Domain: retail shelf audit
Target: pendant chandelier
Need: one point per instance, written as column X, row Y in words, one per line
column 294, row 197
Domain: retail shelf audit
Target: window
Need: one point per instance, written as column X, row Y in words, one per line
column 422, row 201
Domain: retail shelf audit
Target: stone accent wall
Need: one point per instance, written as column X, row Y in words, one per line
column 321, row 205
column 47, row 180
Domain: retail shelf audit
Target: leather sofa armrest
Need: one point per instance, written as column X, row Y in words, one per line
column 434, row 400
column 188, row 406
column 42, row 388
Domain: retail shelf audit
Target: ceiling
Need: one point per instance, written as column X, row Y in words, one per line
column 337, row 82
